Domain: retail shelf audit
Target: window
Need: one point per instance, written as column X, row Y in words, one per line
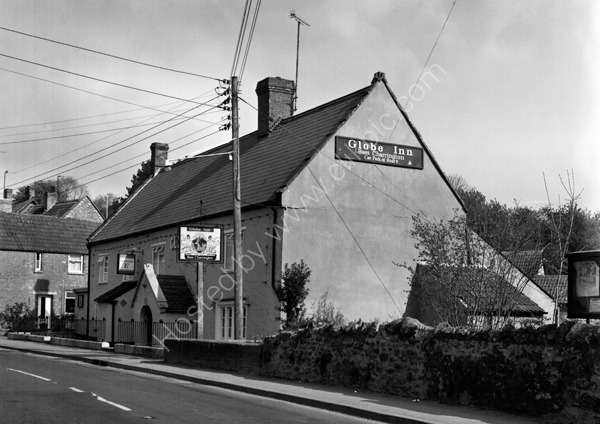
column 103, row 269
column 158, row 258
column 69, row 302
column 38, row 262
column 226, row 321
column 75, row 264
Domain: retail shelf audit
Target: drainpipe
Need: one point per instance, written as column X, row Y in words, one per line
column 89, row 293
column 112, row 323
column 274, row 250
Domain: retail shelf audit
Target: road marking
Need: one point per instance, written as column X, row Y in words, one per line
column 32, row 375
column 101, row 399
column 76, row 389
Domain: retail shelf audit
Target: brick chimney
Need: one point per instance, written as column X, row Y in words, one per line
column 6, row 201
column 275, row 102
column 50, row 198
column 159, row 156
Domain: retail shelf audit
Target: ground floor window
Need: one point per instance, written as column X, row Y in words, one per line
column 69, row 302
column 226, row 321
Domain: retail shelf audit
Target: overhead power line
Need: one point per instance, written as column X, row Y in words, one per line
column 110, row 55
column 88, row 92
column 98, row 79
column 430, row 53
column 115, row 151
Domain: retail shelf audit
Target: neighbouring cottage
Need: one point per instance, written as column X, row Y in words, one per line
column 335, row 186
column 43, row 254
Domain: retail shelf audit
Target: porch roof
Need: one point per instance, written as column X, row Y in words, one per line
column 114, row 293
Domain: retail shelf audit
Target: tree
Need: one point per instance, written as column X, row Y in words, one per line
column 67, row 188
column 15, row 316
column 292, row 293
column 100, row 202
column 137, row 179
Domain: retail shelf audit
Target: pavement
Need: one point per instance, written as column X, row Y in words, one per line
column 358, row 403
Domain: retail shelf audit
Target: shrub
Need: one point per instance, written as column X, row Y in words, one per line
column 15, row 316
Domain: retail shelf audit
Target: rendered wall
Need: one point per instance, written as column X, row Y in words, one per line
column 218, row 285
column 351, row 249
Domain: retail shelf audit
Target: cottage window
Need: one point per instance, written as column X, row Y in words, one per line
column 226, row 322
column 158, row 258
column 103, row 269
column 75, row 264
column 69, row 302
column 38, row 262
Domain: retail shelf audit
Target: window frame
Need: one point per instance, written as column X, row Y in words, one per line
column 158, row 253
column 229, row 236
column 70, row 295
column 37, row 262
column 103, row 262
column 224, row 320
column 69, row 260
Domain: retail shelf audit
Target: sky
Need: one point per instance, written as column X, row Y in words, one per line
column 512, row 107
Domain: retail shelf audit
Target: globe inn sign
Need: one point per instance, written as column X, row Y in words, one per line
column 356, row 149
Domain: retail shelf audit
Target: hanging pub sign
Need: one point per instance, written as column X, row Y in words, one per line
column 200, row 243
column 583, row 300
column 356, row 149
column 126, row 264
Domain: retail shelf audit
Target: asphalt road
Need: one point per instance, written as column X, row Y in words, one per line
column 40, row 389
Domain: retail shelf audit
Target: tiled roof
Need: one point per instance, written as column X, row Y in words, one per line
column 495, row 292
column 177, row 293
column 28, row 207
column 114, row 293
column 548, row 284
column 61, row 209
column 529, row 262
column 203, row 186
column 47, row 234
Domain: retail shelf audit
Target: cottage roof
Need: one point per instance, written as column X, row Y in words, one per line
column 29, row 206
column 529, row 262
column 177, row 293
column 486, row 289
column 549, row 283
column 47, row 234
column 61, row 209
column 115, row 292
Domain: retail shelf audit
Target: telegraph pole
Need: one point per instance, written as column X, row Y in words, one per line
column 237, row 215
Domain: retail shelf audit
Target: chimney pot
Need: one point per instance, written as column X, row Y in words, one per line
column 8, row 194
column 275, row 102
column 159, row 156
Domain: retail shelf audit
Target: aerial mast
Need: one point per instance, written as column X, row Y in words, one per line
column 300, row 22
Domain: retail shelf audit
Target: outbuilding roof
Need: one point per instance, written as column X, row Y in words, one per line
column 46, row 234
column 550, row 284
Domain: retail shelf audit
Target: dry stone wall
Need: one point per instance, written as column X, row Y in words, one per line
column 547, row 371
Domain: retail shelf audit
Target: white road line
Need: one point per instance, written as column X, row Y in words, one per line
column 101, row 399
column 32, row 375
column 76, row 389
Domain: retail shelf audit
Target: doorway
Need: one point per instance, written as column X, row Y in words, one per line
column 146, row 318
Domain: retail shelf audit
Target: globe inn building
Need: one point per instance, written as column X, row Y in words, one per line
column 335, row 186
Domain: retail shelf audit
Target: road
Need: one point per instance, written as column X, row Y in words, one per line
column 41, row 389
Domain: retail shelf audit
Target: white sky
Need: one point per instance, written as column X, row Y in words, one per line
column 516, row 94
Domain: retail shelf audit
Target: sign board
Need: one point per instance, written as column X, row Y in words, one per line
column 126, row 264
column 200, row 243
column 584, row 285
column 356, row 149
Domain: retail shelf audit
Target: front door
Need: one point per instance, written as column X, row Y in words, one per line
column 146, row 318
column 44, row 308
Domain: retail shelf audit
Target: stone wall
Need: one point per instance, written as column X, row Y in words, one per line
column 548, row 371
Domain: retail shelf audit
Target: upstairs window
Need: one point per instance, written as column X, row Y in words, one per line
column 38, row 262
column 158, row 258
column 75, row 264
column 103, row 269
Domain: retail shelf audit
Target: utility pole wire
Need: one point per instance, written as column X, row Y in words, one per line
column 110, row 55
column 99, row 79
column 430, row 53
